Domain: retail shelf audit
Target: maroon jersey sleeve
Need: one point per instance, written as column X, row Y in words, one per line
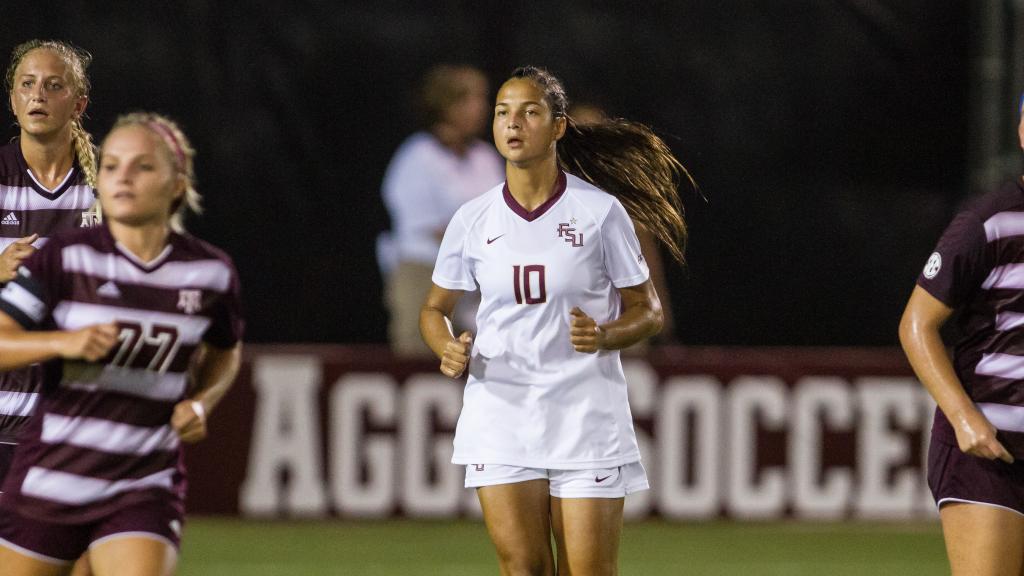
column 227, row 325
column 958, row 266
column 29, row 297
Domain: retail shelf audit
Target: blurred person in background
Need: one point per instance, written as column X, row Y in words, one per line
column 975, row 470
column 139, row 327
column 545, row 431
column 432, row 173
column 47, row 177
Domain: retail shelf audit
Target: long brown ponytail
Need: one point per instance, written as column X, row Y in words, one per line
column 627, row 160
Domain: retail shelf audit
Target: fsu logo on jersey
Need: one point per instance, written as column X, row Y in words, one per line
column 569, row 234
column 190, row 301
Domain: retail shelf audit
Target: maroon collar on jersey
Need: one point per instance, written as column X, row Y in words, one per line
column 70, row 181
column 539, row 211
column 134, row 260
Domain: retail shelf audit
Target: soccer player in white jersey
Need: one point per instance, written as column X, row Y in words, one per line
column 545, row 430
column 976, row 455
column 47, row 177
column 139, row 327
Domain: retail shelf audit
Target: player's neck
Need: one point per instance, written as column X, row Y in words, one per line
column 145, row 242
column 49, row 159
column 532, row 186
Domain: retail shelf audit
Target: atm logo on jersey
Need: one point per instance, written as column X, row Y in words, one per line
column 569, row 234
column 190, row 301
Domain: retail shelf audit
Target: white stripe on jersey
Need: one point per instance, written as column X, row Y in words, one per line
column 77, row 197
column 1009, row 320
column 1001, row 365
column 1009, row 276
column 107, row 436
column 74, row 489
column 17, row 296
column 17, row 403
column 1004, row 225
column 136, row 382
column 72, row 315
column 207, row 274
column 1004, row 416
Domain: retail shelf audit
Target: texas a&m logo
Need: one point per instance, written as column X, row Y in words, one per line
column 569, row 234
column 190, row 301
column 90, row 218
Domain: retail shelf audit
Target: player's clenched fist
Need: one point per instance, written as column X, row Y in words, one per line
column 11, row 257
column 456, row 355
column 90, row 343
column 584, row 333
column 189, row 421
column 977, row 436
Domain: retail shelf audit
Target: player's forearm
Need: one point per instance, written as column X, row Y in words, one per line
column 215, row 374
column 927, row 355
column 637, row 322
column 19, row 349
column 435, row 329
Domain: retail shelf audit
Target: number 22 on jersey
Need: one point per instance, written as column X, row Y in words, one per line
column 146, row 347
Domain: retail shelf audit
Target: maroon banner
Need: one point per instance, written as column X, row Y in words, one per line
column 320, row 431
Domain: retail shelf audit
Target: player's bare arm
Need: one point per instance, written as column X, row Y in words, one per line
column 215, row 373
column 436, row 329
column 641, row 318
column 919, row 335
column 19, row 348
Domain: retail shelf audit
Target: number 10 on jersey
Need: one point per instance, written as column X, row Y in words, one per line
column 528, row 281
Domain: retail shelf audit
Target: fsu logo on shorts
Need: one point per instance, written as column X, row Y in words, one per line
column 569, row 234
column 190, row 301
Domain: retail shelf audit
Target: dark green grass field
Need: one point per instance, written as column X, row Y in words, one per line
column 222, row 547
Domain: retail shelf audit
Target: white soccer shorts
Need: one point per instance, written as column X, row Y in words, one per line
column 592, row 483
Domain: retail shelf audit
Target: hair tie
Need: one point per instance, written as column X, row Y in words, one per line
column 169, row 138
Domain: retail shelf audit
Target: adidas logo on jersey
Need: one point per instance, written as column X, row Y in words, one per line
column 108, row 290
column 11, row 220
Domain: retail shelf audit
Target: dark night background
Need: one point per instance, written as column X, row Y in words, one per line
column 830, row 139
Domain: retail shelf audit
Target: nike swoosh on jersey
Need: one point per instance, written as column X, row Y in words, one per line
column 598, row 479
column 489, row 240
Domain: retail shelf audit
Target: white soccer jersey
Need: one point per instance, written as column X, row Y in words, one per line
column 531, row 400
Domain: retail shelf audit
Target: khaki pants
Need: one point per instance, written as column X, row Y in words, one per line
column 406, row 290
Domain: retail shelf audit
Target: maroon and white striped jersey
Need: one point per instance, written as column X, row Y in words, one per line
column 978, row 268
column 100, row 437
column 27, row 208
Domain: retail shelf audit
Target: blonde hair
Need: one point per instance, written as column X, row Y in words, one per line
column 77, row 61
column 182, row 157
